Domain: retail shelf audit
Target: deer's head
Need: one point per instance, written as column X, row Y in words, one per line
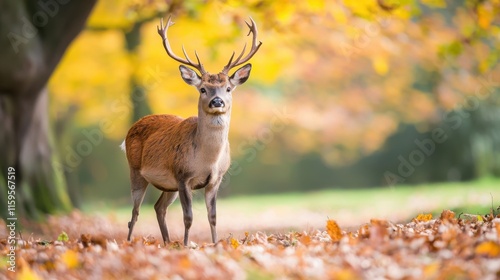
column 215, row 89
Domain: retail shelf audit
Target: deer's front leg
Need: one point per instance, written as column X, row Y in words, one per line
column 210, row 201
column 185, row 198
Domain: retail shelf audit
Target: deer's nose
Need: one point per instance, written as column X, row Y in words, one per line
column 216, row 103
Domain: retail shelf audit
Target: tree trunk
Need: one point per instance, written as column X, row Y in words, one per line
column 33, row 37
column 137, row 92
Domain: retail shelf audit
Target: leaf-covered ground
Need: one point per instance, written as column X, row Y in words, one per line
column 447, row 247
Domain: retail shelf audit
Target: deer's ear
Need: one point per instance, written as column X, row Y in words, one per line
column 241, row 75
column 189, row 76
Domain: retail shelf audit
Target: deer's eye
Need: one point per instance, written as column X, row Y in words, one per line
column 203, row 90
column 228, row 89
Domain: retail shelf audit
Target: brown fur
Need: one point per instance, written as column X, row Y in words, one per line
column 214, row 80
column 160, row 140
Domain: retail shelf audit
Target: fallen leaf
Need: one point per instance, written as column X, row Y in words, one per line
column 63, row 237
column 378, row 231
column 148, row 240
column 184, row 262
column 305, row 239
column 382, row 223
column 234, row 243
column 448, row 215
column 88, row 240
column 27, row 274
column 70, row 259
column 423, row 218
column 333, row 230
column 85, row 239
column 342, row 274
column 364, row 231
column 488, row 248
column 430, row 270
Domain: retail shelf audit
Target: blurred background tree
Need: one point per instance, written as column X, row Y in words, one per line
column 343, row 93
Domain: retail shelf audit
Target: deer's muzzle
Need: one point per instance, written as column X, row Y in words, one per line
column 217, row 102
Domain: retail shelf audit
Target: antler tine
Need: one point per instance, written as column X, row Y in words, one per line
column 186, row 55
column 230, row 60
column 241, row 54
column 252, row 28
column 162, row 31
column 197, row 58
column 253, row 50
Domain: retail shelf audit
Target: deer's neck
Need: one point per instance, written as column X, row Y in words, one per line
column 212, row 133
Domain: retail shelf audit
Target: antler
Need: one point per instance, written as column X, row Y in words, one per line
column 253, row 50
column 163, row 33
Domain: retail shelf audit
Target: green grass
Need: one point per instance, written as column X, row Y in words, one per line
column 398, row 202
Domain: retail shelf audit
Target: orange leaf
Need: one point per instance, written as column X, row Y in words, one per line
column 333, row 229
column 70, row 259
column 28, row 274
column 430, row 270
column 447, row 215
column 488, row 248
column 305, row 239
column 342, row 274
column 382, row 223
column 234, row 243
column 497, row 226
column 378, row 230
column 184, row 262
column 364, row 231
column 423, row 218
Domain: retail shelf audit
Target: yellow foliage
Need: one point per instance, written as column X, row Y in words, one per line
column 94, row 75
column 435, row 3
column 284, row 10
column 333, row 230
column 314, row 53
column 315, row 6
column 485, row 15
column 362, row 8
column 380, row 65
column 110, row 13
column 338, row 14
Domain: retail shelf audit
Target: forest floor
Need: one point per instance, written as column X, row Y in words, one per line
column 389, row 233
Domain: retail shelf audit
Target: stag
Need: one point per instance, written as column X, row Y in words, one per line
column 178, row 155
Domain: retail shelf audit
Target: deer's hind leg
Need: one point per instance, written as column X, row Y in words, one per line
column 161, row 206
column 138, row 187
